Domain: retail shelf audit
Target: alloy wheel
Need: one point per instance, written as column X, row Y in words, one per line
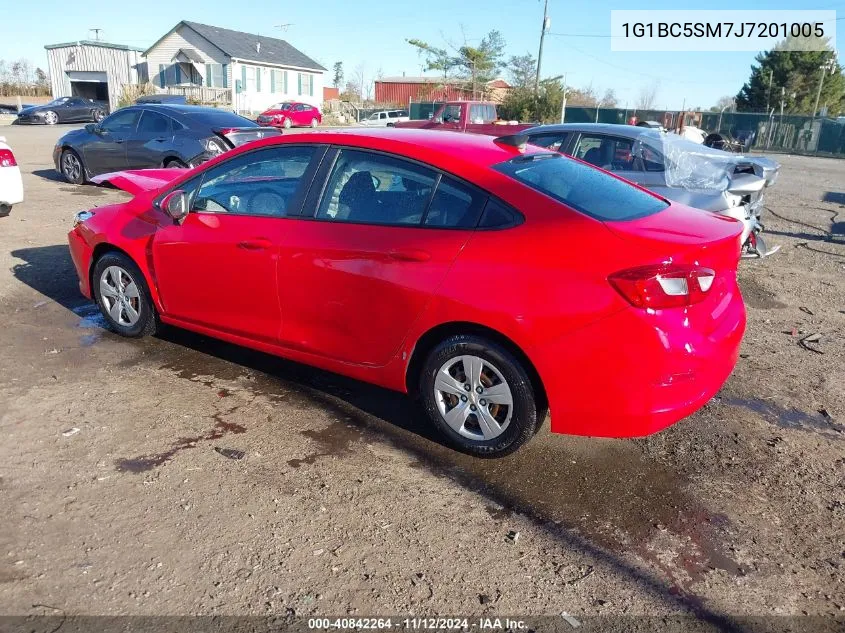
column 71, row 166
column 120, row 296
column 51, row 118
column 473, row 397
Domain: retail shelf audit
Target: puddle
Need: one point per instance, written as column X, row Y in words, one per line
column 148, row 462
column 91, row 319
column 333, row 441
column 787, row 418
column 88, row 191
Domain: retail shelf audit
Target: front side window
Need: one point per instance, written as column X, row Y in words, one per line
column 450, row 113
column 264, row 183
column 582, row 187
column 376, row 189
column 122, row 121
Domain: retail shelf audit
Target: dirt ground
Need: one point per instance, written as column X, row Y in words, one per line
column 117, row 498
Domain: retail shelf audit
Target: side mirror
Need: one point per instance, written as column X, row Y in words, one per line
column 175, row 204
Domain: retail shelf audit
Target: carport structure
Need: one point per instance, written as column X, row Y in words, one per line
column 94, row 69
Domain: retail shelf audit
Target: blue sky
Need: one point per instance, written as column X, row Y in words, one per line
column 373, row 34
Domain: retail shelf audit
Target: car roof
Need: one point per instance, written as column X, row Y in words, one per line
column 626, row 131
column 478, row 149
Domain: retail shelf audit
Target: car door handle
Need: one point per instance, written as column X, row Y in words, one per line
column 409, row 255
column 256, row 244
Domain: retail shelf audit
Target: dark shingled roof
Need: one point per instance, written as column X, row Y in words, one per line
column 241, row 45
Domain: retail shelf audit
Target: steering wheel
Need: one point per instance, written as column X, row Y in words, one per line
column 267, row 202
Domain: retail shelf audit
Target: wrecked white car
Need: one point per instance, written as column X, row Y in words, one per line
column 676, row 168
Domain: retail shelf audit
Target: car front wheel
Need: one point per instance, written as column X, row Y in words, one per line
column 479, row 396
column 122, row 295
column 99, row 115
column 72, row 168
column 5, row 209
column 51, row 118
column 287, row 124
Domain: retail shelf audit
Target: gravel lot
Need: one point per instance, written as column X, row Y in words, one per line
column 346, row 503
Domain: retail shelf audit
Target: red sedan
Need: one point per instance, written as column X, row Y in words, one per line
column 290, row 114
column 492, row 280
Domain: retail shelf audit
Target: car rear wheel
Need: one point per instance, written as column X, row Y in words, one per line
column 122, row 295
column 5, row 209
column 479, row 396
column 72, row 168
column 314, row 123
column 51, row 118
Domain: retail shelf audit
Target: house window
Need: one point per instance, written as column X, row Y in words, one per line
column 249, row 78
column 278, row 81
column 215, row 76
column 306, row 84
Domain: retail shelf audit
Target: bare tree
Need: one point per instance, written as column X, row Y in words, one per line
column 727, row 103
column 648, row 96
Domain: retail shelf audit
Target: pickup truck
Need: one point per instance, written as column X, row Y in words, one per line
column 478, row 117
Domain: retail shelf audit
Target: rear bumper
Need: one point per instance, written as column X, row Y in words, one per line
column 269, row 124
column 633, row 373
column 80, row 253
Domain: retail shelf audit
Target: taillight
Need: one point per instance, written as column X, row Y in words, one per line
column 7, row 159
column 664, row 285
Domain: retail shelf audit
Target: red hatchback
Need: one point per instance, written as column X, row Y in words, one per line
column 290, row 114
column 492, row 280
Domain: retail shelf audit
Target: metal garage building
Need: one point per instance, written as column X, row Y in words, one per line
column 94, row 70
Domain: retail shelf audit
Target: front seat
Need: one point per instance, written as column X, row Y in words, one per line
column 593, row 156
column 359, row 197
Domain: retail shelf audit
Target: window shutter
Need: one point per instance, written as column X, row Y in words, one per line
column 272, row 81
column 161, row 72
column 258, row 74
column 311, row 86
column 178, row 74
column 243, row 78
column 225, row 75
column 208, row 81
column 299, row 83
column 286, row 82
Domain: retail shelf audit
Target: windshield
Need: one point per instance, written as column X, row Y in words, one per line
column 584, row 188
column 59, row 101
column 282, row 106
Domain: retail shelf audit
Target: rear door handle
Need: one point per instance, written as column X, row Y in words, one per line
column 409, row 255
column 255, row 244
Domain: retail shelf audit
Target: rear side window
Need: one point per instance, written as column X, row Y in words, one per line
column 220, row 119
column 582, row 187
column 454, row 205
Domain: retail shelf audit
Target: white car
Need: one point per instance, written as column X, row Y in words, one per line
column 386, row 118
column 11, row 185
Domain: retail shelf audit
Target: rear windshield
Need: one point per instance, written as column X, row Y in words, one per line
column 222, row 119
column 584, row 188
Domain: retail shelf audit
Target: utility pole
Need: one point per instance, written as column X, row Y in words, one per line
column 96, row 33
column 563, row 101
column 546, row 24
column 769, row 91
column 830, row 65
column 284, row 27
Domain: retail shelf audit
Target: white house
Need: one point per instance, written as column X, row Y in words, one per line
column 250, row 71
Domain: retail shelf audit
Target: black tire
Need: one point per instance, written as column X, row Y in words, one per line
column 174, row 163
column 5, row 209
column 525, row 418
column 72, row 176
column 98, row 115
column 147, row 323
